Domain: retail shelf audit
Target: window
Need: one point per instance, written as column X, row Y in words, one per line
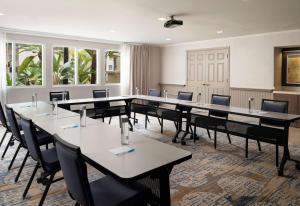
column 87, row 64
column 74, row 66
column 24, row 64
column 63, row 65
column 112, row 67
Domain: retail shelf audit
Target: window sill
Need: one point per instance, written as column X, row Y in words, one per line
column 112, row 84
column 26, row 87
column 76, row 85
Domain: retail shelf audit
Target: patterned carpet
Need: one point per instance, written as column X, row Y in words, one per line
column 211, row 177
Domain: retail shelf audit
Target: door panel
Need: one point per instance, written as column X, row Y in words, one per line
column 208, row 73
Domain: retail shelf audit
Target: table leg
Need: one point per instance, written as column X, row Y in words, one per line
column 165, row 196
column 187, row 127
column 128, row 112
column 286, row 153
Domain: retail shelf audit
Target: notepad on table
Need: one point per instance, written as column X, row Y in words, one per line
column 121, row 150
column 24, row 106
column 70, row 126
column 42, row 114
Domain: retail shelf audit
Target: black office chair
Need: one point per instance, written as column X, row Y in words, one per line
column 47, row 159
column 148, row 108
column 179, row 112
column 105, row 191
column 103, row 109
column 42, row 138
column 270, row 105
column 59, row 96
column 223, row 100
column 7, row 130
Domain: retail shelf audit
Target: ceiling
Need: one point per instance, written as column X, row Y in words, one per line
column 136, row 20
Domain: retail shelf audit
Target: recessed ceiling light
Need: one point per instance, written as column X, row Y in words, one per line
column 112, row 31
column 220, row 32
column 1, row 14
column 168, row 39
column 162, row 19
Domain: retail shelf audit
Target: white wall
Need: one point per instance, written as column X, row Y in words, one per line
column 251, row 58
column 16, row 94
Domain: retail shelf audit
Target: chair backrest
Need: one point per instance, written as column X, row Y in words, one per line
column 74, row 171
column 31, row 140
column 13, row 123
column 100, row 93
column 154, row 93
column 185, row 96
column 219, row 100
column 188, row 96
column 2, row 117
column 274, row 106
column 59, row 95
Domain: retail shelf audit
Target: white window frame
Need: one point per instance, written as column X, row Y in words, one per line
column 13, row 71
column 76, row 78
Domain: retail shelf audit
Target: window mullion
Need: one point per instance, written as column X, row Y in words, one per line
column 76, row 66
column 13, row 64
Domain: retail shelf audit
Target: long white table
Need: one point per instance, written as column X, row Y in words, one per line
column 150, row 157
column 287, row 119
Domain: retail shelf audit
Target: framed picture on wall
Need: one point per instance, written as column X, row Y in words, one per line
column 291, row 68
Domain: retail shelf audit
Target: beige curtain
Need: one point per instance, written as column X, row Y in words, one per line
column 140, row 68
column 135, row 71
column 3, row 68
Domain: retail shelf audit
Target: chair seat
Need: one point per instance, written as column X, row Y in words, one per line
column 44, row 138
column 171, row 115
column 109, row 192
column 50, row 159
column 110, row 111
column 266, row 134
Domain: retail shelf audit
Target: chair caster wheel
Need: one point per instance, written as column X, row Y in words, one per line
column 131, row 129
column 11, row 143
column 183, row 142
column 192, row 136
column 174, row 140
column 280, row 173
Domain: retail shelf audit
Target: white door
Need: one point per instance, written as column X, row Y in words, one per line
column 208, row 72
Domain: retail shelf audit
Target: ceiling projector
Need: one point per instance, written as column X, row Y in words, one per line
column 172, row 23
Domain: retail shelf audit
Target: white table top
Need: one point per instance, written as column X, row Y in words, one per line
column 92, row 100
column 97, row 138
column 228, row 109
column 42, row 112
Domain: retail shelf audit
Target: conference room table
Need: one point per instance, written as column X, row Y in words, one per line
column 150, row 163
column 287, row 119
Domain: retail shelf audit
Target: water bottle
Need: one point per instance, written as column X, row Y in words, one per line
column 198, row 98
column 250, row 104
column 107, row 92
column 64, row 96
column 165, row 93
column 124, row 131
column 33, row 100
column 35, row 97
column 55, row 106
column 82, row 113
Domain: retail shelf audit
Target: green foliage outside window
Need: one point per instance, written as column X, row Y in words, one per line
column 28, row 63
